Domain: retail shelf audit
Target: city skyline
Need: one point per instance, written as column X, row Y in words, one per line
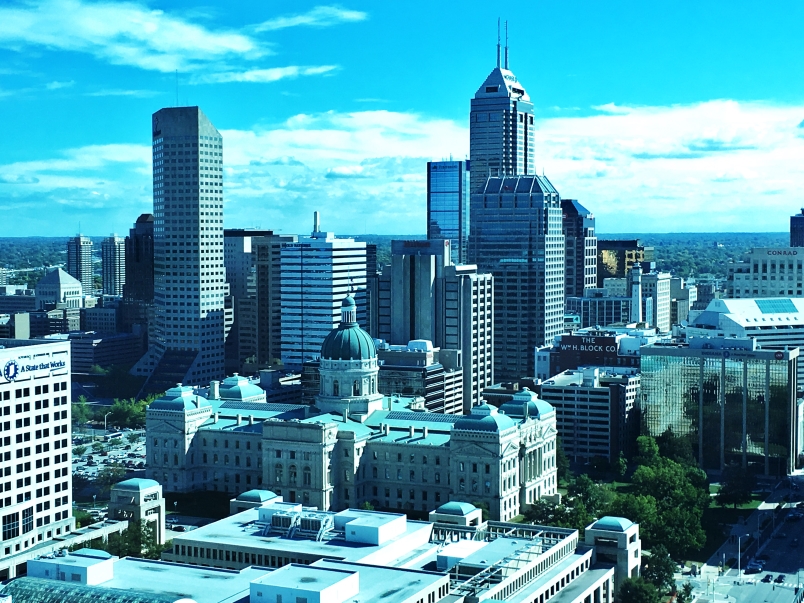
column 323, row 107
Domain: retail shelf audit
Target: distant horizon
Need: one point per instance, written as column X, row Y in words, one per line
column 654, row 117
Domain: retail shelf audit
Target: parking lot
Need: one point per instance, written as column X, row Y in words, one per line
column 118, row 451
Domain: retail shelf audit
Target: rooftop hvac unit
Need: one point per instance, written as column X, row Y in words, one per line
column 310, row 524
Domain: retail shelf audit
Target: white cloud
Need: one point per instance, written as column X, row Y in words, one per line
column 320, row 16
column 123, row 92
column 713, row 166
column 123, row 33
column 265, row 75
column 59, row 85
column 717, row 165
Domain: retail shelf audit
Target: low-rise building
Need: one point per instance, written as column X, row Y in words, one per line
column 597, row 411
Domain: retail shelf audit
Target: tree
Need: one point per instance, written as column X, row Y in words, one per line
column 640, row 509
column 647, row 451
column 675, row 447
column 82, row 518
column 484, row 508
column 367, row 506
column 621, row 466
column 736, row 486
column 133, row 437
column 79, row 450
column 594, row 497
column 97, row 446
column 685, row 594
column 658, row 569
column 637, row 590
column 80, row 411
column 562, row 462
column 109, row 476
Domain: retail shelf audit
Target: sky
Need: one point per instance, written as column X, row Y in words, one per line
column 656, row 116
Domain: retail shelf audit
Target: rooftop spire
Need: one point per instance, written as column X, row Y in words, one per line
column 498, row 41
column 506, row 45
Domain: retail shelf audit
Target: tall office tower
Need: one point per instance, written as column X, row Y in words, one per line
column 189, row 278
column 448, row 205
column 797, row 229
column 423, row 296
column 500, row 128
column 516, row 235
column 580, row 243
column 239, row 260
column 37, row 496
column 317, row 273
column 113, row 265
column 79, row 262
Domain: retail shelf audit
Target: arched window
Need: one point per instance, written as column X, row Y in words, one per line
column 308, row 476
column 356, row 388
column 215, row 458
column 226, row 459
column 373, row 472
column 474, row 485
column 335, row 391
column 292, row 475
column 278, row 473
column 462, row 485
column 373, row 386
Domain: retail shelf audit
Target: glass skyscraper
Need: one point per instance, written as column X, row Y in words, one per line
column 736, row 403
column 189, row 277
column 448, row 205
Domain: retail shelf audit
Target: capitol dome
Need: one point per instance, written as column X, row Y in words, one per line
column 348, row 341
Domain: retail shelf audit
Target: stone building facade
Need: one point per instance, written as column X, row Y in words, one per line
column 354, row 445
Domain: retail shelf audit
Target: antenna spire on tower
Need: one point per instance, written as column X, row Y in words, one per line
column 498, row 41
column 506, row 44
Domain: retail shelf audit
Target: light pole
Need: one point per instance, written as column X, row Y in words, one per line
column 104, row 422
column 94, row 496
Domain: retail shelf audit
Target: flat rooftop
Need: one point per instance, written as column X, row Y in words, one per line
column 179, row 581
column 379, row 583
column 242, row 530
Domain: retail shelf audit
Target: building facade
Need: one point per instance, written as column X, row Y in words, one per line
column 354, row 445
column 36, row 502
column 448, row 206
column 79, row 262
column 113, row 265
column 767, row 272
column 580, row 244
column 137, row 308
column 57, row 289
column 597, row 411
column 315, row 274
column 736, row 403
column 189, row 277
column 615, row 258
column 516, row 235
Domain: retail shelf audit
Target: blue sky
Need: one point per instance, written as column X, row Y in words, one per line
column 657, row 116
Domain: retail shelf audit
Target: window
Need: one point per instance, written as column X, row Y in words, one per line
column 307, row 476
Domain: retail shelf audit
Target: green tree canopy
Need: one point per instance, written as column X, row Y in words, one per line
column 109, row 476
column 658, row 569
column 637, row 590
column 736, row 486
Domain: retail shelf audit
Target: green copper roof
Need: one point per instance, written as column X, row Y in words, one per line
column 348, row 341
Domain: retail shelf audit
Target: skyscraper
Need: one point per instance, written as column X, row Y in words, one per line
column 448, row 205
column 79, row 262
column 500, row 128
column 113, row 264
column 516, row 235
column 189, row 278
column 317, row 273
column 580, row 243
column 797, row 229
column 423, row 296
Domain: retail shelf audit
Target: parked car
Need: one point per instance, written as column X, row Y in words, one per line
column 179, row 529
column 767, row 578
column 753, row 568
column 780, row 578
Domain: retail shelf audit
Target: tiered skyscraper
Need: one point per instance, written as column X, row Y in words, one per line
column 79, row 262
column 113, row 264
column 515, row 224
column 189, row 277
